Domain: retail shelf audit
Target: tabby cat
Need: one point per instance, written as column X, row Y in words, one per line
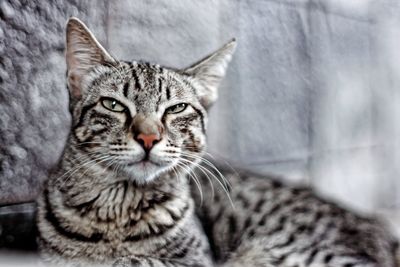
column 268, row 224
column 122, row 193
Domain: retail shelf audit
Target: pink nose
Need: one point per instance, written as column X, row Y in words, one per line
column 147, row 140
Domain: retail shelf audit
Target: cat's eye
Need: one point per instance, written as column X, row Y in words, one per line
column 176, row 108
column 112, row 104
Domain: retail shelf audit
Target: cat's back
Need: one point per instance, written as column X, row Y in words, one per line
column 266, row 220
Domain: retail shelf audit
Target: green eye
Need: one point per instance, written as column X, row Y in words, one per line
column 113, row 105
column 176, row 108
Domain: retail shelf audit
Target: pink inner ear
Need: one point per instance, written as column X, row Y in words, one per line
column 74, row 85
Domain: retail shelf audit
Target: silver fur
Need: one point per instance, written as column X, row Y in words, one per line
column 116, row 199
column 112, row 201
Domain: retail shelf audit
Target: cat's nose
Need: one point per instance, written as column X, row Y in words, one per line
column 147, row 131
column 148, row 140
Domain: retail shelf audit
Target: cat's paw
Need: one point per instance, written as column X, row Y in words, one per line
column 127, row 262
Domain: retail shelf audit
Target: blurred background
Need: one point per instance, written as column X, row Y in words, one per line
column 312, row 94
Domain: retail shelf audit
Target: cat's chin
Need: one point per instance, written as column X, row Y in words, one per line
column 144, row 172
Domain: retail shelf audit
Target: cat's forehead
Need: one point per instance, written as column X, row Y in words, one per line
column 146, row 85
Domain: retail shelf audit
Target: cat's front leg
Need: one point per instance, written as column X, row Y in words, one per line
column 144, row 261
column 130, row 262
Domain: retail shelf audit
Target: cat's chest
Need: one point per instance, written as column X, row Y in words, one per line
column 123, row 213
column 114, row 222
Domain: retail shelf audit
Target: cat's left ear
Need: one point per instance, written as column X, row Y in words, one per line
column 83, row 53
column 209, row 72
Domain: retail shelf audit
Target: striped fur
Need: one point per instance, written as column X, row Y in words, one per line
column 115, row 200
column 269, row 224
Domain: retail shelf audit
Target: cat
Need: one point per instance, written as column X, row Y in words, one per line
column 119, row 195
column 265, row 223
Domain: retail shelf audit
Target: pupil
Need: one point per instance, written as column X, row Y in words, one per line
column 113, row 104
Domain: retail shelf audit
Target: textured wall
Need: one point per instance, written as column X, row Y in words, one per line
column 34, row 120
column 312, row 92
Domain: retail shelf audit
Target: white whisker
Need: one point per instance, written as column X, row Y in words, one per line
column 223, row 185
column 195, row 179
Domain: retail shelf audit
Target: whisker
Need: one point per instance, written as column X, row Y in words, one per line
column 206, row 175
column 81, row 166
column 224, row 161
column 75, row 160
column 223, row 185
column 226, row 182
column 94, row 164
column 178, row 176
column 198, row 184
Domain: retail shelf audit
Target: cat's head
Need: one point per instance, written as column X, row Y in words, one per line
column 138, row 118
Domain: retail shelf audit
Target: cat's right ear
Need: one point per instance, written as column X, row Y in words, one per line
column 83, row 52
column 210, row 71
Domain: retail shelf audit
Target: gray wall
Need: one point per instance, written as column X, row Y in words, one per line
column 312, row 92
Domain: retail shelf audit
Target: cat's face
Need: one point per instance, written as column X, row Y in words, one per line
column 137, row 118
column 145, row 118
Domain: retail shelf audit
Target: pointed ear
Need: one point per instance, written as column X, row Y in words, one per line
column 83, row 52
column 209, row 72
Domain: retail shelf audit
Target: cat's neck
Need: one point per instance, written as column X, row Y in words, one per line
column 79, row 200
column 82, row 184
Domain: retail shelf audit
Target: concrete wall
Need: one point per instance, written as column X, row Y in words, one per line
column 312, row 92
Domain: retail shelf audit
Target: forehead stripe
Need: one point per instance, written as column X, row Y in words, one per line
column 126, row 88
column 135, row 77
column 168, row 93
column 160, row 85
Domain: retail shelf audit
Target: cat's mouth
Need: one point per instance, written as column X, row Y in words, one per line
column 144, row 163
column 147, row 163
column 145, row 170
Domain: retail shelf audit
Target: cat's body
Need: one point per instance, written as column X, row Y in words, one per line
column 121, row 196
column 94, row 221
column 269, row 224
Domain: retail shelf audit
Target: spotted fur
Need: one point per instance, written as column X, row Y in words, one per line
column 120, row 194
column 269, row 224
